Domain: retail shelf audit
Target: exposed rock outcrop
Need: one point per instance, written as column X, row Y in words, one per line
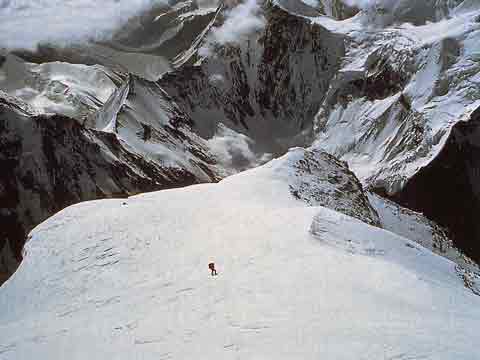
column 319, row 179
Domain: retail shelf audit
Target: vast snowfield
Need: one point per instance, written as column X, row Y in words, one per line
column 128, row 279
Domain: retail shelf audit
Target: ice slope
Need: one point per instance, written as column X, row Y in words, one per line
column 128, row 279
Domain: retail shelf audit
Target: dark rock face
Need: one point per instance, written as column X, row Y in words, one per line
column 323, row 180
column 379, row 83
column 448, row 189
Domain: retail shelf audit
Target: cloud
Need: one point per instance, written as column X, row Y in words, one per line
column 385, row 12
column 26, row 23
column 361, row 4
column 233, row 150
column 312, row 3
column 216, row 80
column 240, row 22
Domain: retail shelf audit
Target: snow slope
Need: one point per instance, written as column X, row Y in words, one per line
column 128, row 279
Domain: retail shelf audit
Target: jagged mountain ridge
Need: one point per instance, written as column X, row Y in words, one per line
column 73, row 90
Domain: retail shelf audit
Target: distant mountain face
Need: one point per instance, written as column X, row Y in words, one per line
column 73, row 90
column 172, row 99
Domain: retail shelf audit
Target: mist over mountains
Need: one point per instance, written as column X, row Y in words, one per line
column 27, row 24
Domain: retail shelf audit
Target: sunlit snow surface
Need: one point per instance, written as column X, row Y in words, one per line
column 128, row 279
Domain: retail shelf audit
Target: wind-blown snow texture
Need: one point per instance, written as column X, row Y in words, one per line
column 128, row 279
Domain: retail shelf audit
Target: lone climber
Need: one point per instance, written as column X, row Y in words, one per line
column 211, row 266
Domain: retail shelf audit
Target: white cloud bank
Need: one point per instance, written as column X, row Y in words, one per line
column 240, row 22
column 361, row 4
column 26, row 23
column 233, row 150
